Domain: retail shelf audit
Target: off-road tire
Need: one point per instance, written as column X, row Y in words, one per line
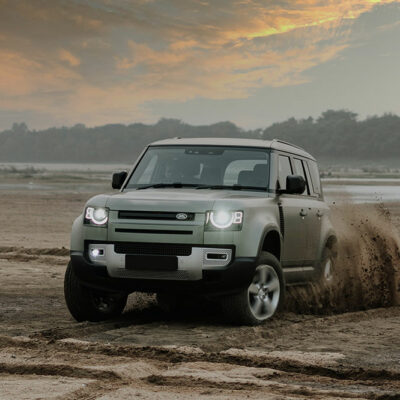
column 237, row 308
column 322, row 277
column 83, row 302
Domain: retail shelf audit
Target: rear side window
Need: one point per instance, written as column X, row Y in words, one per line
column 299, row 170
column 285, row 169
column 315, row 179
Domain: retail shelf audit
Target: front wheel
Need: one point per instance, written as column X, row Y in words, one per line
column 87, row 304
column 262, row 298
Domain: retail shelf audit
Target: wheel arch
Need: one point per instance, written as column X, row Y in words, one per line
column 330, row 242
column 271, row 242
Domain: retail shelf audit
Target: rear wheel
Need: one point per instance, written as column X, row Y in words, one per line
column 327, row 269
column 263, row 297
column 87, row 304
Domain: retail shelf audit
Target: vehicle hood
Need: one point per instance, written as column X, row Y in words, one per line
column 189, row 200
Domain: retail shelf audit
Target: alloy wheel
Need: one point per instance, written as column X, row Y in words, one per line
column 264, row 292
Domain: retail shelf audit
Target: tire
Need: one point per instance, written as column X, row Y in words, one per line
column 253, row 306
column 87, row 304
column 326, row 275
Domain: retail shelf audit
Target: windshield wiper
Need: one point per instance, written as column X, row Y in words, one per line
column 165, row 185
column 232, row 187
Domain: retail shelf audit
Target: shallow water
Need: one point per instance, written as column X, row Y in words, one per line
column 65, row 167
column 360, row 193
column 358, row 190
column 353, row 193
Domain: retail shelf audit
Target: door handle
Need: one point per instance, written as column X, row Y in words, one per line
column 303, row 213
column 319, row 214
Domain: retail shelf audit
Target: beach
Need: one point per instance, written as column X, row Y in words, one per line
column 343, row 343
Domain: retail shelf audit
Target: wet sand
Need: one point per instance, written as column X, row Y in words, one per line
column 321, row 347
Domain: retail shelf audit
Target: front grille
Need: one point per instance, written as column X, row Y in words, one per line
column 154, row 231
column 161, row 249
column 157, row 215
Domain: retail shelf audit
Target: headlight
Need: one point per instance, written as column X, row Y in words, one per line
column 96, row 216
column 229, row 220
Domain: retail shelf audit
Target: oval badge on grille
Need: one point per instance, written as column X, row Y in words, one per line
column 181, row 216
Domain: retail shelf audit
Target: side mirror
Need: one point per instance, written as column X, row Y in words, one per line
column 118, row 179
column 295, row 184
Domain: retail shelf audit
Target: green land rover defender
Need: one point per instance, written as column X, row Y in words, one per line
column 235, row 220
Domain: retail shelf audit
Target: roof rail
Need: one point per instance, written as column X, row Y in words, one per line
column 287, row 143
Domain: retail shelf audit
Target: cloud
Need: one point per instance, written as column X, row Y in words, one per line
column 97, row 61
column 68, row 57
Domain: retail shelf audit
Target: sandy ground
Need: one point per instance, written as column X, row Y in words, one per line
column 328, row 344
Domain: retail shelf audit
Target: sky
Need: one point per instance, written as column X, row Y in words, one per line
column 252, row 62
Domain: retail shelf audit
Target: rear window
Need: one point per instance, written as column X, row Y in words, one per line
column 299, row 170
column 315, row 178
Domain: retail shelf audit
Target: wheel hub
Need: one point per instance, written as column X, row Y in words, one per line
column 328, row 270
column 264, row 292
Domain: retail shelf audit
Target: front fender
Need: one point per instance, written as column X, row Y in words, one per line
column 257, row 224
column 81, row 232
column 77, row 235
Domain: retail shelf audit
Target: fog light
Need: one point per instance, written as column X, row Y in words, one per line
column 97, row 252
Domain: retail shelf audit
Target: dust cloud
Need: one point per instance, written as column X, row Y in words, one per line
column 367, row 267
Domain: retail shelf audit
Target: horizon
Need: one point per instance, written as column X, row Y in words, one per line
column 161, row 119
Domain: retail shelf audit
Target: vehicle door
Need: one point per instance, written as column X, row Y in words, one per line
column 310, row 205
column 293, row 215
column 319, row 209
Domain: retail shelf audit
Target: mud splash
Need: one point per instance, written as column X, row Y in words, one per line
column 367, row 271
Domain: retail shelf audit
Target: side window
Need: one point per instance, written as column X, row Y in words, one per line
column 315, row 179
column 285, row 169
column 299, row 170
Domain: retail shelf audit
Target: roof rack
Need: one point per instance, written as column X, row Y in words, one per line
column 287, row 143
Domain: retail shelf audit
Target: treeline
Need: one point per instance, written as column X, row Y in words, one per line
column 334, row 135
column 339, row 135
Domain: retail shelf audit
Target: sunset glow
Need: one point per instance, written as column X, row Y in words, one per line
column 98, row 61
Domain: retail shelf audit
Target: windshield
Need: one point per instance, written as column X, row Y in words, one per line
column 202, row 167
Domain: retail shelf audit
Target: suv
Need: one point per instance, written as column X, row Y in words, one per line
column 232, row 219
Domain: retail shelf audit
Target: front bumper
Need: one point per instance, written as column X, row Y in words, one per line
column 196, row 273
column 190, row 266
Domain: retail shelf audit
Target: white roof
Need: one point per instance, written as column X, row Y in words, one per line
column 269, row 144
